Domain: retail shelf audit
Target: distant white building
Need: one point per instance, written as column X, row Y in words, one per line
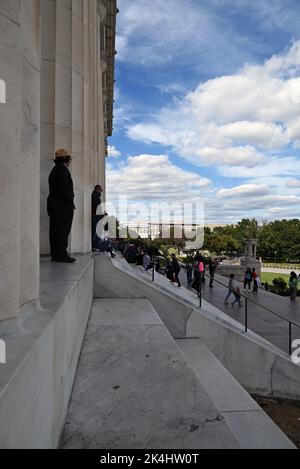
column 160, row 230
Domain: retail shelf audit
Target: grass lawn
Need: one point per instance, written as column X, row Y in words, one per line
column 269, row 277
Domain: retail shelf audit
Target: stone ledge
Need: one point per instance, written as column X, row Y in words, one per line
column 42, row 354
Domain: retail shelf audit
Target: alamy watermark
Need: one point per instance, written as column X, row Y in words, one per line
column 296, row 352
column 180, row 220
column 2, row 92
column 2, row 352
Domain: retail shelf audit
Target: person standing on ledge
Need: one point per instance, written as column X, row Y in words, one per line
column 61, row 207
column 96, row 202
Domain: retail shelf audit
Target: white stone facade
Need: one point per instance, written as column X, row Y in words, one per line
column 59, row 93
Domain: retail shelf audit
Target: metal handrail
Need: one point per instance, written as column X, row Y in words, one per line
column 257, row 304
column 246, row 298
column 290, row 323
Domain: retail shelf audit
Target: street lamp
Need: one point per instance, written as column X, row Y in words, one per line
column 275, row 256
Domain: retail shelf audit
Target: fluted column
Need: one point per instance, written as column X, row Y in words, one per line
column 30, row 152
column 77, row 236
column 56, row 94
column 19, row 150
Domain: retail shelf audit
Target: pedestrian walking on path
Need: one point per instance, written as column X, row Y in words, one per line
column 176, row 269
column 169, row 271
column 255, row 281
column 248, row 279
column 201, row 268
column 212, row 268
column 231, row 288
column 189, row 273
column 146, row 261
column 196, row 285
column 293, row 284
column 237, row 295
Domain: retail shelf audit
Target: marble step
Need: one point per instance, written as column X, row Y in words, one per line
column 134, row 388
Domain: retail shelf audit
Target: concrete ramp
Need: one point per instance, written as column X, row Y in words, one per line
column 111, row 282
column 134, row 388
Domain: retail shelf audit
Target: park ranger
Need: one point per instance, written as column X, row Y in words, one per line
column 60, row 207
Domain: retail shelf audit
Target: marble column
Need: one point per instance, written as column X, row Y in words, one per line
column 19, row 150
column 30, row 152
column 10, row 150
column 77, row 241
column 56, row 94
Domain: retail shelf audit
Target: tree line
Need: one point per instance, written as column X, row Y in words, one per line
column 278, row 240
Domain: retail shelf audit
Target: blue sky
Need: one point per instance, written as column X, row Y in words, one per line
column 208, row 105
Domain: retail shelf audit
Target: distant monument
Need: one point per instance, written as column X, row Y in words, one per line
column 250, row 260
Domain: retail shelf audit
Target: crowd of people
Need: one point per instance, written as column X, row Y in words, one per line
column 140, row 256
column 251, row 283
column 195, row 269
column 196, row 272
column 252, row 280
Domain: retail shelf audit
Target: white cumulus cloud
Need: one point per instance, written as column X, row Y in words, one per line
column 293, row 183
column 246, row 190
column 153, row 177
column 236, row 120
column 113, row 152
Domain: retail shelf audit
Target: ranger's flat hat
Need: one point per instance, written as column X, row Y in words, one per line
column 62, row 154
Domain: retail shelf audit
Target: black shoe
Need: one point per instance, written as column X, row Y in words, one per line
column 66, row 260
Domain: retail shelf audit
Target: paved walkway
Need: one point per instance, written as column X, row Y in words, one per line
column 273, row 270
column 260, row 321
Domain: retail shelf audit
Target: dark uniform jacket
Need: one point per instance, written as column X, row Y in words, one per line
column 61, row 191
column 175, row 266
column 96, row 201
